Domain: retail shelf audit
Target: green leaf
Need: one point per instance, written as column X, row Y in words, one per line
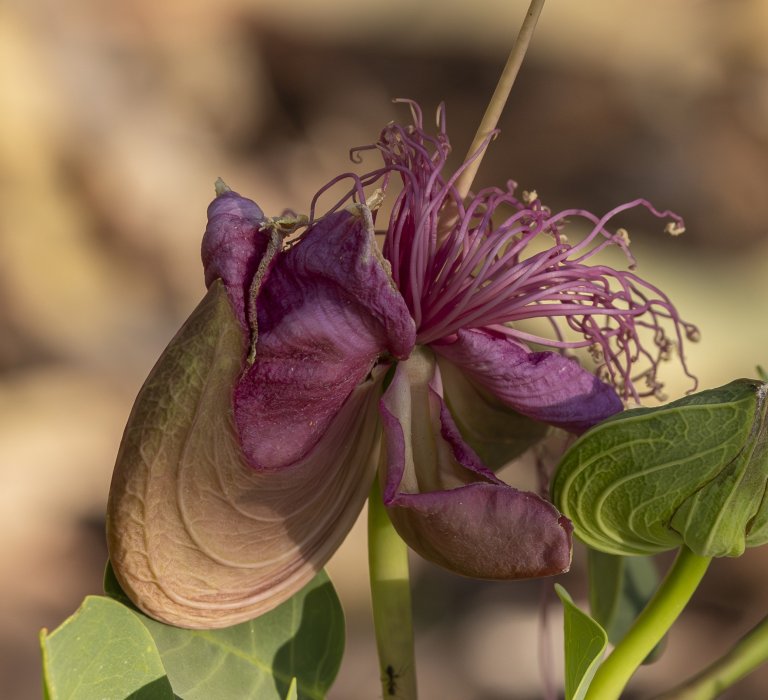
column 102, row 651
column 302, row 638
column 693, row 472
column 585, row 642
column 619, row 589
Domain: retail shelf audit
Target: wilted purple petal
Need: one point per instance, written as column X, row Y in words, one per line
column 486, row 531
column 233, row 245
column 328, row 312
column 196, row 537
column 545, row 386
column 445, row 503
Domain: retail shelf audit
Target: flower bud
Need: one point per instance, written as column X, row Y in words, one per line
column 693, row 472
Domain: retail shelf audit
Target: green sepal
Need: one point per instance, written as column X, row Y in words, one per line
column 494, row 431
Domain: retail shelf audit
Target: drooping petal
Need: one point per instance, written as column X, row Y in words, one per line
column 445, row 503
column 327, row 313
column 545, row 386
column 197, row 538
column 234, row 244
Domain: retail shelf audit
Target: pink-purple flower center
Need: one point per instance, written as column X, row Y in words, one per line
column 480, row 262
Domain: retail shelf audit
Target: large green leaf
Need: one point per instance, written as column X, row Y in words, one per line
column 255, row 660
column 693, row 472
column 102, row 651
column 585, row 642
column 619, row 589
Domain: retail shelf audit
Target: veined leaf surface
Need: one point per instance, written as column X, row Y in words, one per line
column 102, row 651
column 692, row 472
column 301, row 639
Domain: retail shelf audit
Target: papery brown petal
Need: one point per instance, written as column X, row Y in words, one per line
column 197, row 538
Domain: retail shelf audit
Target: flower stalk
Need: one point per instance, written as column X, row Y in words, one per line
column 745, row 656
column 499, row 99
column 391, row 601
column 670, row 599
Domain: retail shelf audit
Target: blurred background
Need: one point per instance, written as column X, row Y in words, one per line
column 115, row 120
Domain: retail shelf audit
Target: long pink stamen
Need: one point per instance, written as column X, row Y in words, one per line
column 457, row 270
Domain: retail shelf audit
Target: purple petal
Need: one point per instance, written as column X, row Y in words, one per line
column 544, row 386
column 233, row 246
column 327, row 313
column 197, row 538
column 448, row 506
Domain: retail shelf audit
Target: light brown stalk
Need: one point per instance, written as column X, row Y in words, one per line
column 498, row 101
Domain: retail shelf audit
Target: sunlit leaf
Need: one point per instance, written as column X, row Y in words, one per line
column 103, row 651
column 303, row 638
column 585, row 642
column 693, row 472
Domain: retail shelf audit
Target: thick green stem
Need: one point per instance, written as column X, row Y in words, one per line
column 662, row 610
column 745, row 656
column 391, row 598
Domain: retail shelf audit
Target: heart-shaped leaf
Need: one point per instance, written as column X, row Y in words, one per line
column 102, row 651
column 293, row 693
column 302, row 639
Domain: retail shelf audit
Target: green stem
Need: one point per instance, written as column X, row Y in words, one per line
column 745, row 656
column 391, row 599
column 651, row 625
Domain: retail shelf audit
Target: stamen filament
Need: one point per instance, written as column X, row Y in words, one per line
column 477, row 274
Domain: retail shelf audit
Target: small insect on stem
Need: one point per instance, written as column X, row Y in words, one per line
column 390, row 679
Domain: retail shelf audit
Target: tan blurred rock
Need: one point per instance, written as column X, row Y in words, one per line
column 52, row 278
column 58, row 432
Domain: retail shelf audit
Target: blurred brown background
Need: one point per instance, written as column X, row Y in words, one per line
column 115, row 120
